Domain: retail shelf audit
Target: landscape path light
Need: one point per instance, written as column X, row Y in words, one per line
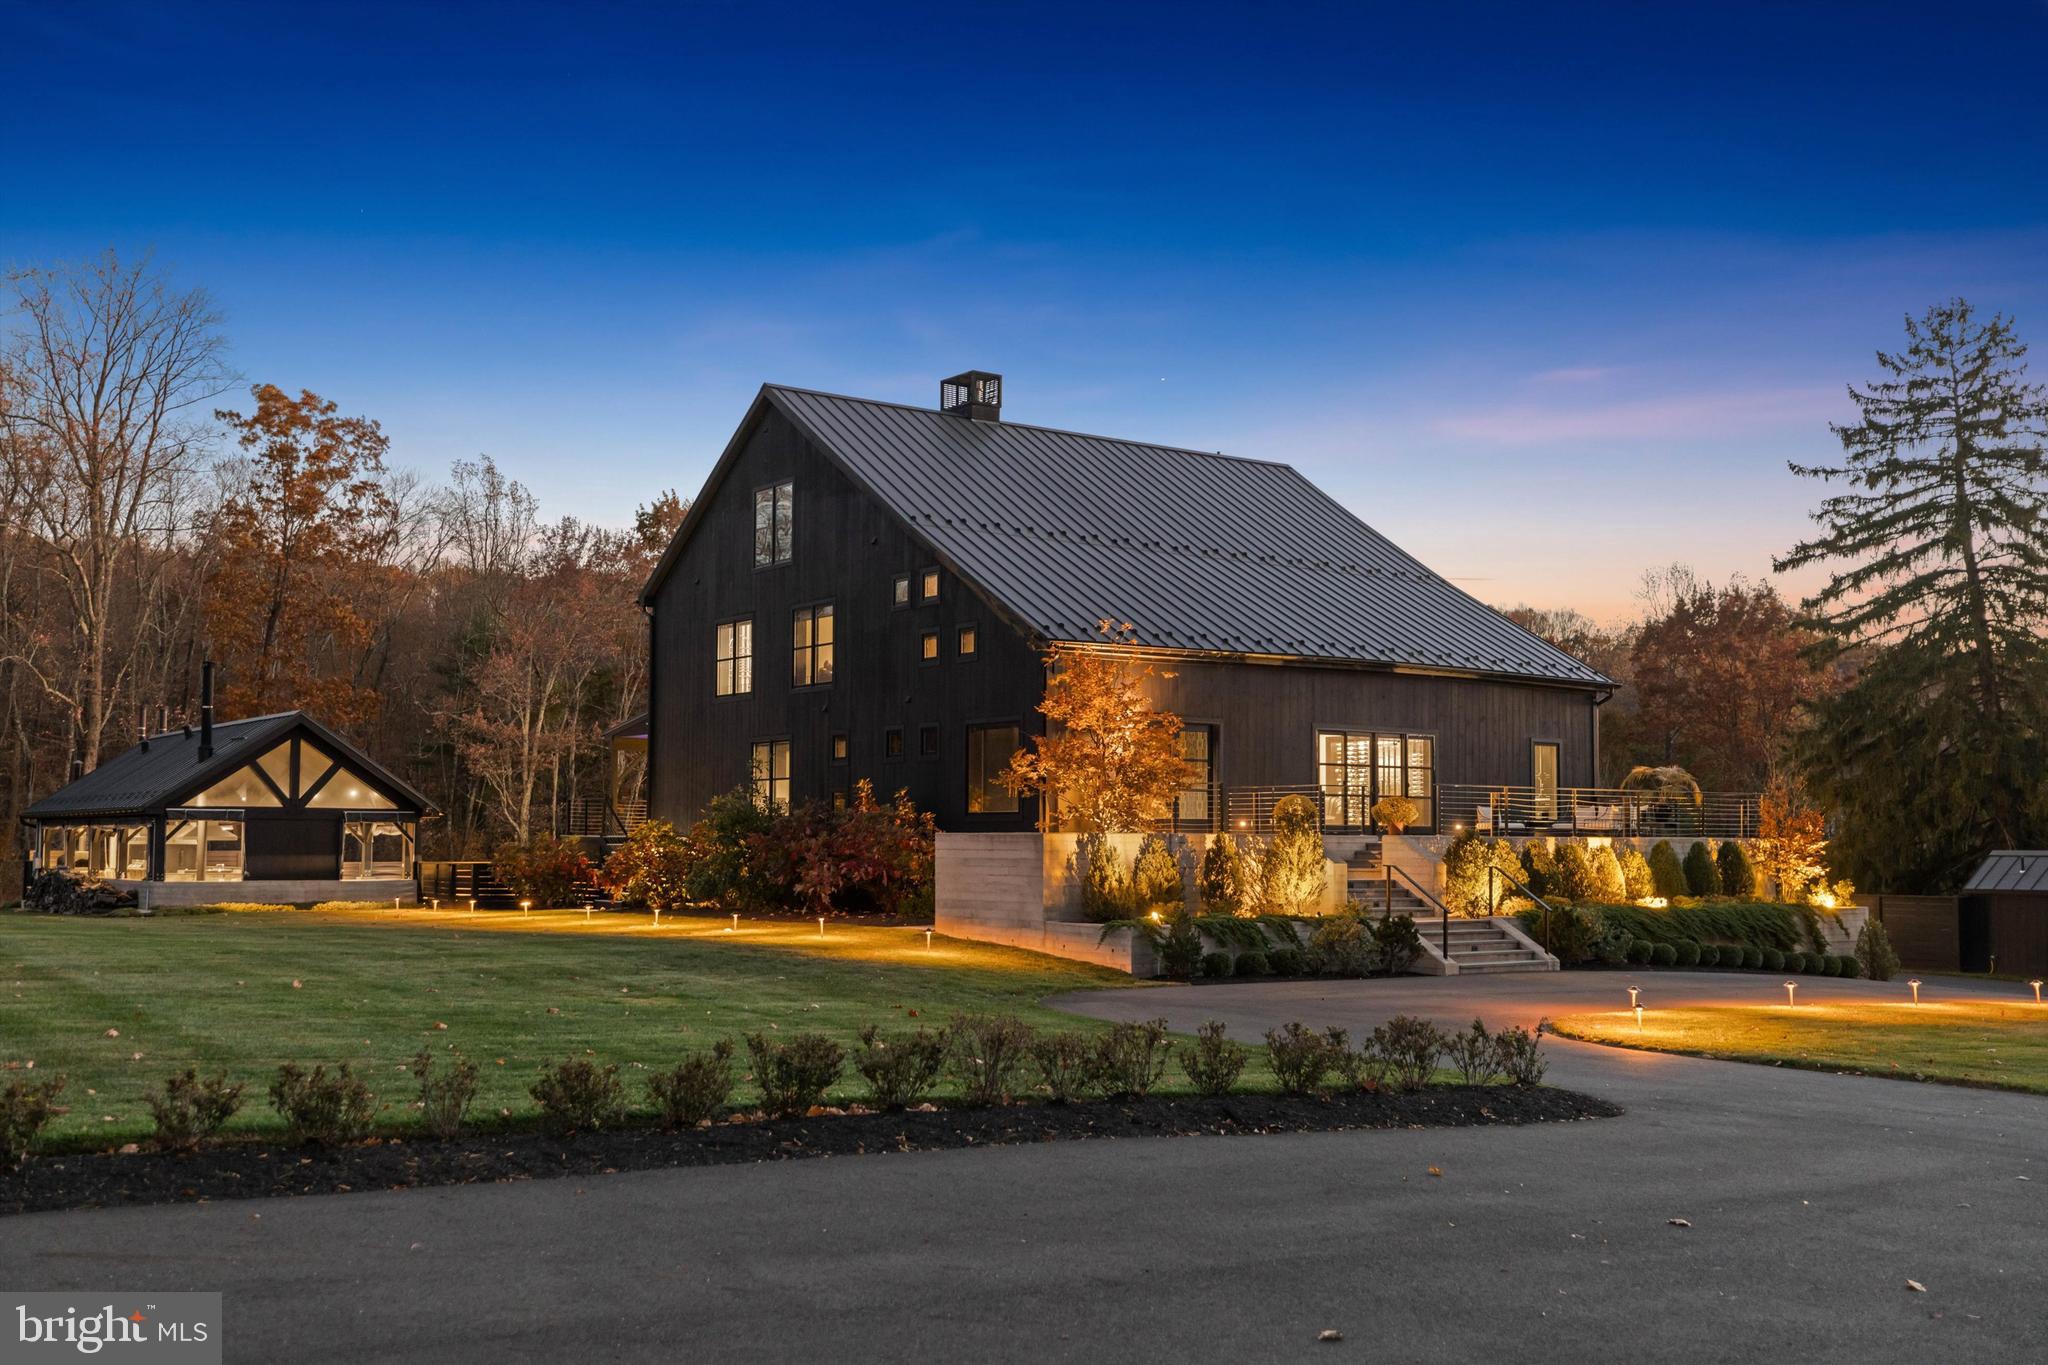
column 435, row 902
column 1790, row 987
column 1639, row 1018
column 1632, row 997
column 735, row 922
column 525, row 906
column 657, row 917
column 928, row 943
column 1915, row 984
column 2037, row 991
column 821, row 926
column 472, row 905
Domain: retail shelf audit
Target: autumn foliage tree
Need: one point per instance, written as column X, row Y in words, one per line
column 308, row 514
column 1109, row 758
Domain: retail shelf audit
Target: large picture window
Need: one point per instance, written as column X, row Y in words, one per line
column 202, row 849
column 811, row 647
column 1357, row 768
column 376, row 850
column 989, row 748
column 774, row 525
column 771, row 774
column 733, row 669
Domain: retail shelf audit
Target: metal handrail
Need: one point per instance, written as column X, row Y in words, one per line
column 1423, row 893
column 1493, row 902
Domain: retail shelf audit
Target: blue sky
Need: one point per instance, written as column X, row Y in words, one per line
column 1548, row 294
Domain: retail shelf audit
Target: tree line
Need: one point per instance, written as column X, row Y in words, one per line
column 151, row 518
column 1908, row 697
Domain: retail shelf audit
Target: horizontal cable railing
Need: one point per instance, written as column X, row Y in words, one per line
column 594, row 817
column 1508, row 810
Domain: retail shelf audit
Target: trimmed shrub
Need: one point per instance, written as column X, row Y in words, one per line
column 1664, row 955
column 1667, row 874
column 1396, row 943
column 1227, row 881
column 1688, row 953
column 1639, row 951
column 1216, row 965
column 1575, row 872
column 1408, row 1048
column 1105, row 888
column 1294, row 870
column 1738, row 874
column 697, row 1090
column 1065, row 1064
column 1180, row 948
column 1874, row 951
column 988, row 1055
column 317, row 1106
column 794, row 1074
column 1342, row 945
column 189, row 1109
column 1466, row 861
column 26, row 1108
column 1567, row 932
column 1521, row 1057
column 1155, row 878
column 1473, row 1054
column 1214, row 1062
column 1608, row 882
column 1284, row 961
column 899, row 1068
column 1774, row 960
column 1611, row 948
column 1131, row 1057
column 1635, row 874
column 578, row 1095
column 1850, row 966
column 1702, row 877
column 445, row 1092
column 1254, row 963
column 1302, row 1057
column 721, row 852
column 1540, row 868
column 1816, row 964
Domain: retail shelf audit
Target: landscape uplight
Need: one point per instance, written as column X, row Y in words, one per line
column 1915, row 984
column 1790, row 987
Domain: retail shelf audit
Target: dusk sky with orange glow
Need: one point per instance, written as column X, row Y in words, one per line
column 1550, row 301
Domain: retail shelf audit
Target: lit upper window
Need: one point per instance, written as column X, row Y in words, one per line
column 811, row 647
column 733, row 668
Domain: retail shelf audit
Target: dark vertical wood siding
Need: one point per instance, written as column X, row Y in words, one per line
column 848, row 550
column 1267, row 717
column 293, row 846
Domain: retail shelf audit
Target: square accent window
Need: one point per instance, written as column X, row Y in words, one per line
column 928, row 647
column 927, row 741
column 967, row 641
column 928, row 586
column 839, row 748
column 733, row 669
column 771, row 774
column 900, row 594
column 989, row 748
column 811, row 647
column 892, row 743
column 774, row 524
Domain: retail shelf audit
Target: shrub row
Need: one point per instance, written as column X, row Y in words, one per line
column 1353, row 944
column 1580, row 871
column 992, row 1058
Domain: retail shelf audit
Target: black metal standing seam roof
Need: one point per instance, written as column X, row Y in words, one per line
column 169, row 772
column 1197, row 551
column 2011, row 870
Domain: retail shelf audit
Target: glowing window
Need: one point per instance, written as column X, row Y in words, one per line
column 345, row 791
column 243, row 787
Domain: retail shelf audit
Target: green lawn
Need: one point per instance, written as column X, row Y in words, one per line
column 117, row 1004
column 1999, row 1043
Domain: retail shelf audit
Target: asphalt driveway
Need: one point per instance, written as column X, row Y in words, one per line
column 1812, row 1199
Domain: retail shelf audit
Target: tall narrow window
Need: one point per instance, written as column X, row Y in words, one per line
column 927, row 741
column 1543, row 778
column 989, row 748
column 839, row 748
column 900, row 595
column 1422, row 778
column 771, row 773
column 928, row 647
column 1198, row 751
column 811, row 651
column 928, row 585
column 774, row 524
column 892, row 742
column 733, row 671
column 967, row 642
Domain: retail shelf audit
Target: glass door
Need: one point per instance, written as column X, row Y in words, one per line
column 1543, row 778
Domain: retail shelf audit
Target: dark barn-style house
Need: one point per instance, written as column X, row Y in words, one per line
column 273, row 809
column 869, row 590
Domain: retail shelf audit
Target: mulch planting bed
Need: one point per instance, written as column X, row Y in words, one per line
column 245, row 1170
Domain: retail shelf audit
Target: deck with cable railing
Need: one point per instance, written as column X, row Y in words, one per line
column 1500, row 809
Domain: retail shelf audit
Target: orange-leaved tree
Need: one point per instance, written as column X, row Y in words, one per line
column 1110, row 758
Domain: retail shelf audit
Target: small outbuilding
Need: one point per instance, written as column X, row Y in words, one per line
column 2004, row 914
column 274, row 808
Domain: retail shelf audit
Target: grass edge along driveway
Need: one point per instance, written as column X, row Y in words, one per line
column 2001, row 1044
column 118, row 1004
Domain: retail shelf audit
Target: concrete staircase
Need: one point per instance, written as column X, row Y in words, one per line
column 1367, row 885
column 1487, row 945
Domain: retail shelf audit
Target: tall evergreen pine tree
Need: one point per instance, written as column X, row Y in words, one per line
column 1934, row 752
